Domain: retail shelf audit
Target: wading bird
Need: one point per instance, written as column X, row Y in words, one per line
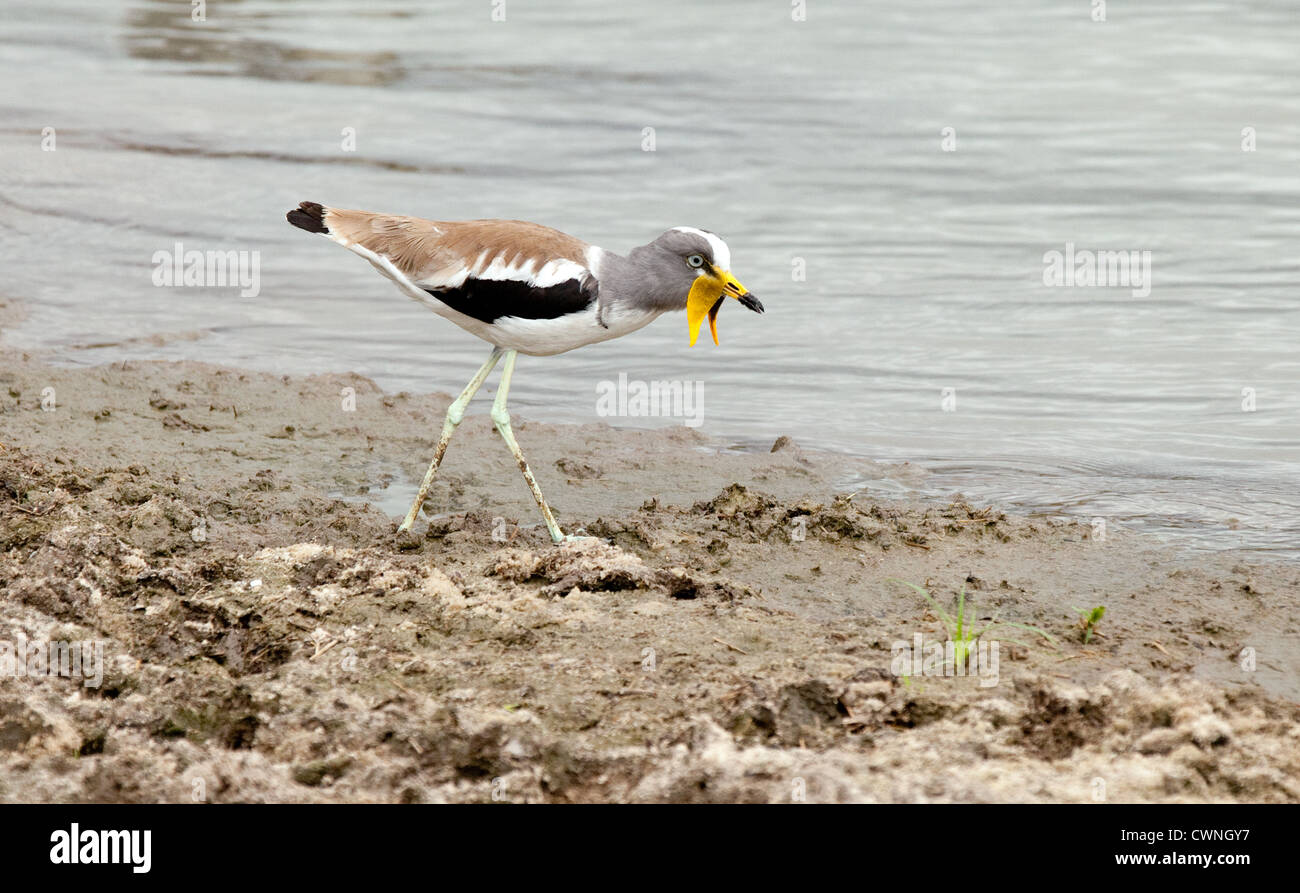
column 527, row 288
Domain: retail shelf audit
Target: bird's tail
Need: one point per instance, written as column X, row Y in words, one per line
column 309, row 216
column 384, row 240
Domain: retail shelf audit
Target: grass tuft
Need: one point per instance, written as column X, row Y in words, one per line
column 961, row 629
column 1088, row 620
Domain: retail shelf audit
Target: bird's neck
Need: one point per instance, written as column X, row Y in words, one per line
column 629, row 281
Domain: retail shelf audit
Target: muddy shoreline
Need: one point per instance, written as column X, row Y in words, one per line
column 731, row 636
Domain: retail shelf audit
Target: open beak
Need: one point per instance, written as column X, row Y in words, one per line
column 706, row 299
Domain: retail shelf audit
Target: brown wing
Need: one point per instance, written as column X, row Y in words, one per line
column 485, row 269
column 442, row 254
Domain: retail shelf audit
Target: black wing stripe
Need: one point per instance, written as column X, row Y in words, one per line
column 487, row 300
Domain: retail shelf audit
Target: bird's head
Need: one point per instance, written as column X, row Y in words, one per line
column 698, row 265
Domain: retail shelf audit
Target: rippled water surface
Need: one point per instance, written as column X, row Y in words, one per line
column 811, row 144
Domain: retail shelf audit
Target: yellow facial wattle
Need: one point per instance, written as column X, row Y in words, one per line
column 703, row 295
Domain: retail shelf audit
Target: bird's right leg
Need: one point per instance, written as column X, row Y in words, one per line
column 455, row 413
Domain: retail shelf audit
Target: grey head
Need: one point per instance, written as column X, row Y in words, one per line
column 684, row 268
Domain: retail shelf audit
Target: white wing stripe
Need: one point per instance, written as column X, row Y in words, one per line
column 497, row 270
column 557, row 271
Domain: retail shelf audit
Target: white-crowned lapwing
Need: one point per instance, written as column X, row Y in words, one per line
column 527, row 288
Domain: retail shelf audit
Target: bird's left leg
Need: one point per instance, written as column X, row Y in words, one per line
column 501, row 418
column 455, row 412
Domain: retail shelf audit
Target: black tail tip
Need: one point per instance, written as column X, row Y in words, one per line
column 309, row 216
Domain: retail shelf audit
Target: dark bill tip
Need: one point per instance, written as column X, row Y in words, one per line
column 751, row 302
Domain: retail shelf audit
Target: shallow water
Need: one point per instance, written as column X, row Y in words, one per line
column 817, row 140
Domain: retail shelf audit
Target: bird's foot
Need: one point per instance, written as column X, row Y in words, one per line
column 572, row 538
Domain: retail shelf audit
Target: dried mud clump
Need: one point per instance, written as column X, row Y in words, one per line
column 756, row 516
column 796, row 714
column 736, row 502
column 583, row 564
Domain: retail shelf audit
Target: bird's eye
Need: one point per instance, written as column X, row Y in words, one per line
column 695, row 260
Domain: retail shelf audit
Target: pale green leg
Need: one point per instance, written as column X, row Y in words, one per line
column 501, row 418
column 455, row 413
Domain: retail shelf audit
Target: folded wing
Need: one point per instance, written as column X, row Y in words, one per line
column 483, row 269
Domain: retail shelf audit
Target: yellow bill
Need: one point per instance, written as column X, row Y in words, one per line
column 706, row 297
